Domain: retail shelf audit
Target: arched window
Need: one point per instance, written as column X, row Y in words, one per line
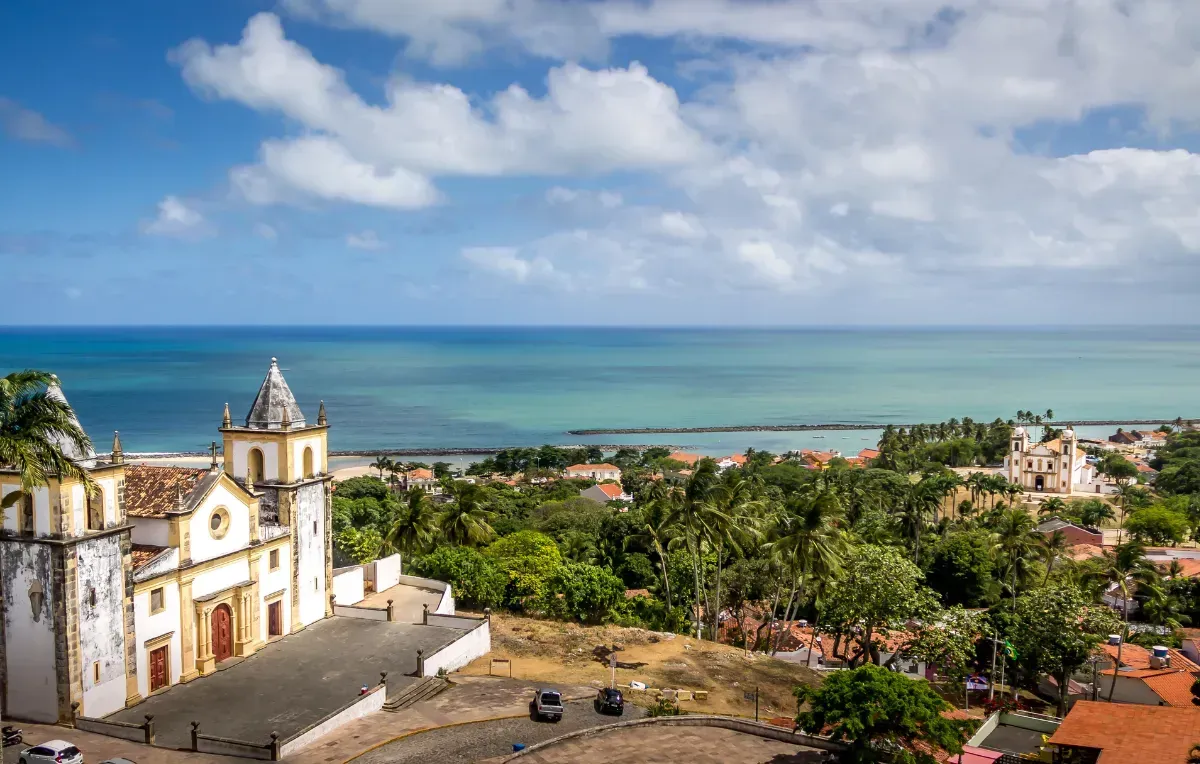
column 256, row 465
column 308, row 462
column 27, row 515
column 95, row 511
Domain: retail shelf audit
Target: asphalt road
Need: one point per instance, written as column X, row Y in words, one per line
column 472, row 742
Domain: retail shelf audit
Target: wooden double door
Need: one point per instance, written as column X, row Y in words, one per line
column 222, row 633
column 160, row 675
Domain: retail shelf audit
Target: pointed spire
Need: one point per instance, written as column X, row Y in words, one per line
column 118, row 456
column 286, row 422
column 213, row 449
column 321, row 420
column 226, row 420
column 249, row 482
column 273, row 400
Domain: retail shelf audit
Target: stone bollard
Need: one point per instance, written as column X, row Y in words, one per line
column 74, row 712
column 196, row 736
column 275, row 745
column 420, row 663
column 487, row 615
column 391, row 612
column 383, row 678
column 332, row 602
column 425, row 613
column 148, row 727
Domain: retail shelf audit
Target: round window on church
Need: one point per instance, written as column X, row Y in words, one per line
column 218, row 523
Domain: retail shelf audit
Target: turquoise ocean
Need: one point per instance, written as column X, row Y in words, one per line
column 417, row 388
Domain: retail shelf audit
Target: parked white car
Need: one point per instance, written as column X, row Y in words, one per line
column 52, row 752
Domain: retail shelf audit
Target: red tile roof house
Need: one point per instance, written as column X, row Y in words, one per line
column 593, row 471
column 685, row 458
column 1074, row 534
column 1107, row 733
column 733, row 460
column 606, row 492
column 1144, row 679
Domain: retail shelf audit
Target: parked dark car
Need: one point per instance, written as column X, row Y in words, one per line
column 609, row 701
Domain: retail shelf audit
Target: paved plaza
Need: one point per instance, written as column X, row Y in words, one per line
column 291, row 683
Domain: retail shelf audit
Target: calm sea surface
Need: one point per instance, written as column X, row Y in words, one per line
column 164, row 388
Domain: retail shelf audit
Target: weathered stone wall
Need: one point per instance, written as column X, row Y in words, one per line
column 30, row 682
column 101, row 592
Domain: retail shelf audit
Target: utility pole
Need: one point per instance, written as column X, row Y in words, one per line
column 612, row 662
column 992, row 676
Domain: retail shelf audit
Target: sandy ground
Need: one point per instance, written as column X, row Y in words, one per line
column 573, row 654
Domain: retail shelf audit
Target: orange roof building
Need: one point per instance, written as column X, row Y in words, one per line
column 1124, row 733
column 685, row 458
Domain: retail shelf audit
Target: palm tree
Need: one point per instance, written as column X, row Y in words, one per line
column 655, row 531
column 1015, row 544
column 465, row 521
column 394, row 470
column 1125, row 566
column 381, row 463
column 415, row 524
column 1052, row 506
column 38, row 430
column 921, row 500
column 1052, row 547
column 693, row 512
column 809, row 542
column 736, row 504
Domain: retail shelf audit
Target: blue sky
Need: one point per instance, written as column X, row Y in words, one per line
column 610, row 161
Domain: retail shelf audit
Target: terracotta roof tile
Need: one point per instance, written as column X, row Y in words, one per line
column 1126, row 732
column 869, row 453
column 144, row 553
column 420, row 473
column 611, row 490
column 592, row 467
column 1175, row 687
column 688, row 459
column 153, row 491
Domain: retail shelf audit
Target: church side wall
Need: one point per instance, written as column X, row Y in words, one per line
column 270, row 583
column 151, row 627
column 298, row 447
column 31, row 690
column 101, row 625
column 310, row 534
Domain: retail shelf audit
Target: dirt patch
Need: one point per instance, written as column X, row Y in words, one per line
column 566, row 653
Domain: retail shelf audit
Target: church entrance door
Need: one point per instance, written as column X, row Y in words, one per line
column 1039, row 483
column 222, row 633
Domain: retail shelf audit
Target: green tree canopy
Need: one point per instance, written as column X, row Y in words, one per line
column 583, row 592
column 1157, row 525
column 961, row 570
column 474, row 579
column 529, row 559
column 881, row 715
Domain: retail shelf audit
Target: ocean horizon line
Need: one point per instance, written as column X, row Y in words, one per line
column 603, row 327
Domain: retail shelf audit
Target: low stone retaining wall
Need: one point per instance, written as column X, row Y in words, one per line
column 475, row 643
column 824, row 746
column 202, row 743
column 368, row 613
column 369, row 702
column 138, row 733
column 445, row 605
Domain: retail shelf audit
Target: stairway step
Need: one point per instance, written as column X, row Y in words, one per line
column 423, row 689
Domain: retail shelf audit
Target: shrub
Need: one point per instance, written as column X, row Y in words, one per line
column 585, row 593
column 475, row 579
column 528, row 560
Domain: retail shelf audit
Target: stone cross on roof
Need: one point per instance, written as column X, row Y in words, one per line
column 274, row 399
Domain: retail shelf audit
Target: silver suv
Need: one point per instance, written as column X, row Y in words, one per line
column 547, row 704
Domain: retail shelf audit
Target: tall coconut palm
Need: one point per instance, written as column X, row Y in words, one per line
column 735, row 499
column 466, row 520
column 395, row 470
column 810, row 543
column 1052, row 505
column 415, row 525
column 920, row 501
column 694, row 513
column 1127, row 567
column 382, row 464
column 37, row 432
column 1051, row 548
column 1014, row 545
column 655, row 531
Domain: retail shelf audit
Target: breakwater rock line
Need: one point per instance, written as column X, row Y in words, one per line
column 837, row 426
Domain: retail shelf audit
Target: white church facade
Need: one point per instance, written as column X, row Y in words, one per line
column 1056, row 466
column 166, row 571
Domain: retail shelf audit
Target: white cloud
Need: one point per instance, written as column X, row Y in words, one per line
column 264, row 231
column 178, row 219
column 681, row 226
column 506, row 263
column 367, row 240
column 766, row 262
column 588, row 122
column 605, row 200
column 28, row 125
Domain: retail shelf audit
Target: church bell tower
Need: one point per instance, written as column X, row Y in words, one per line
column 283, row 460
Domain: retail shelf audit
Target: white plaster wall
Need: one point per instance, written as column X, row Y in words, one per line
column 298, row 455
column 31, row 691
column 470, row 646
column 151, row 530
column 387, row 572
column 158, row 566
column 204, row 546
column 241, row 459
column 101, row 626
column 41, row 511
column 310, row 510
column 78, row 510
column 10, row 513
column 270, row 582
column 348, row 587
column 219, row 579
column 150, row 627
